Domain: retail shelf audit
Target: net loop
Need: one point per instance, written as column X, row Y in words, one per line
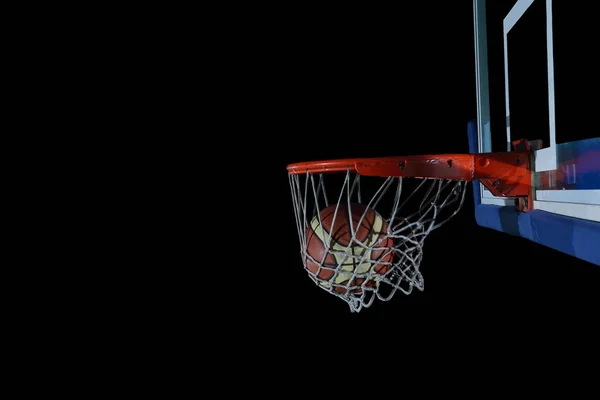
column 357, row 276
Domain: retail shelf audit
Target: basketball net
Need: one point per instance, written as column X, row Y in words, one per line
column 440, row 200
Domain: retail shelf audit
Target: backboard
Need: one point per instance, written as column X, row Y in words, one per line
column 534, row 68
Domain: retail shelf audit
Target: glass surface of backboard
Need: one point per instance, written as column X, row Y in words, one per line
column 536, row 75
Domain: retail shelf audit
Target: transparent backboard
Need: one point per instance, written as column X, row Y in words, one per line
column 536, row 80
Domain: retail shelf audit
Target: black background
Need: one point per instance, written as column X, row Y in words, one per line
column 331, row 83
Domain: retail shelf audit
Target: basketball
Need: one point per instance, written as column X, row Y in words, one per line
column 342, row 255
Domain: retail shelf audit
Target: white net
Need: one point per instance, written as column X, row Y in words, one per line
column 357, row 240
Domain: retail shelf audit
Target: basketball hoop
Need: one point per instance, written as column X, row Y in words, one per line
column 361, row 237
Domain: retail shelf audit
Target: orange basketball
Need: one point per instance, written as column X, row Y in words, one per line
column 329, row 241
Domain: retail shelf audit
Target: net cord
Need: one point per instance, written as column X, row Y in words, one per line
column 407, row 232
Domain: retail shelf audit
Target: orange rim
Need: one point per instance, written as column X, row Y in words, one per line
column 504, row 174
